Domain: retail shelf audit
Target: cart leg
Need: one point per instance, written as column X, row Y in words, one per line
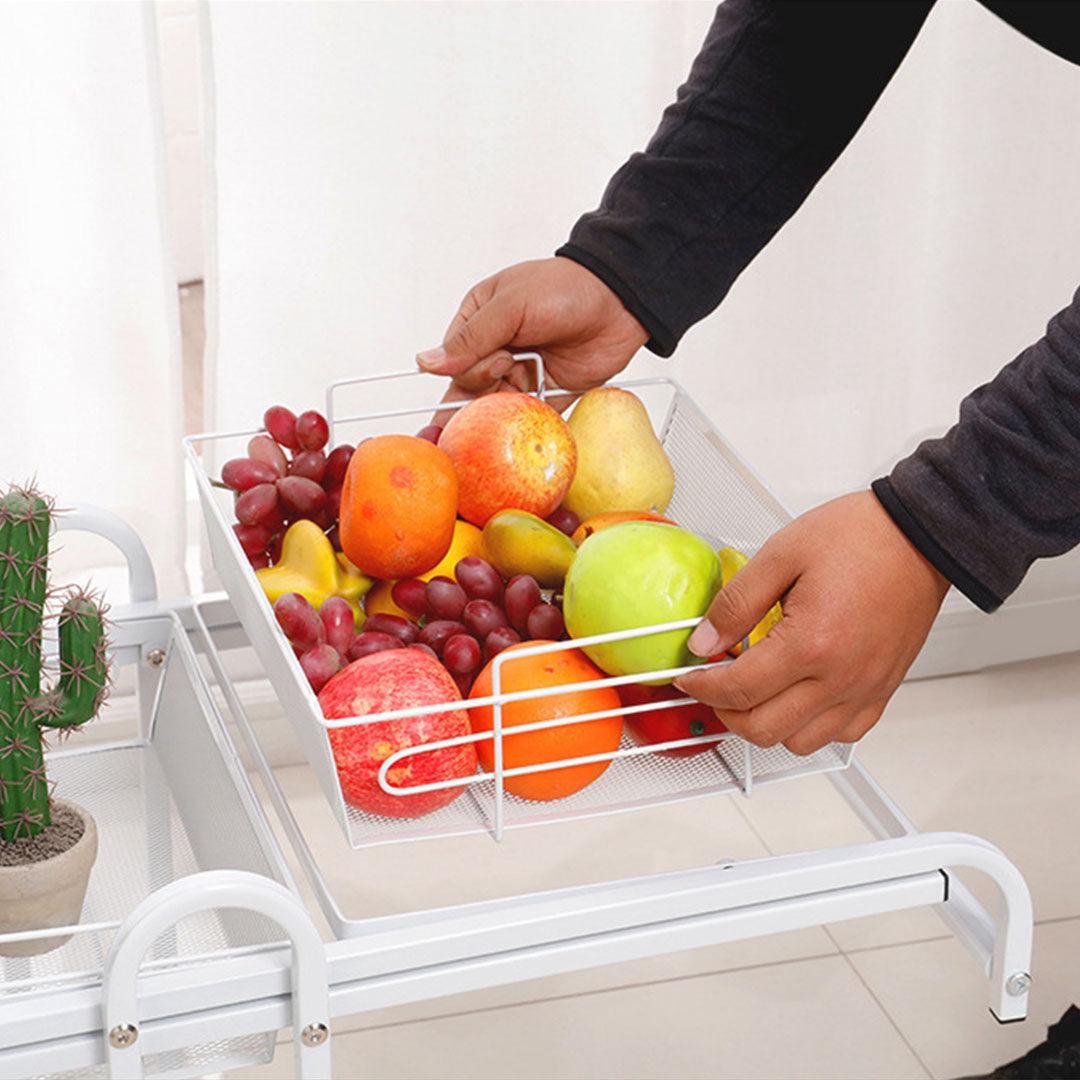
column 1003, row 945
column 201, row 892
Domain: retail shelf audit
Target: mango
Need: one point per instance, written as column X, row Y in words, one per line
column 517, row 542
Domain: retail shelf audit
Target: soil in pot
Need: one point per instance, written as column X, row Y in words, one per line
column 65, row 831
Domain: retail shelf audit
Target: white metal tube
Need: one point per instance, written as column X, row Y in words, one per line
column 142, row 584
column 201, row 892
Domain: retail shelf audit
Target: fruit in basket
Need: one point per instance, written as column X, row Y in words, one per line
column 352, row 585
column 636, row 574
column 371, row 641
column 509, row 450
column 312, row 430
column 274, row 489
column 398, row 506
column 404, row 629
column 546, row 745
column 731, row 562
column 299, row 621
column 564, row 520
column 264, row 449
column 320, row 664
column 602, row 521
column 468, row 542
column 242, row 474
column 381, row 599
column 386, row 681
column 308, row 565
column 668, row 723
column 517, row 542
column 621, row 463
column 339, row 622
column 479, row 579
column 280, row 422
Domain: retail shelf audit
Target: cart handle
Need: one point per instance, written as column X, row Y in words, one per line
column 203, row 892
column 82, row 517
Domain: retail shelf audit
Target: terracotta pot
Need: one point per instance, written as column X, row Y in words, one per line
column 37, row 895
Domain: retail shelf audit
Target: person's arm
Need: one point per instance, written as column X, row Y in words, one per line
column 776, row 93
column 1002, row 487
column 862, row 577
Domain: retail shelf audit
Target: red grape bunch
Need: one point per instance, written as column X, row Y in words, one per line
column 275, row 488
column 471, row 617
column 326, row 640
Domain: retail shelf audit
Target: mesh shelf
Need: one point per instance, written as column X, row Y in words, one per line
column 716, row 495
column 168, row 803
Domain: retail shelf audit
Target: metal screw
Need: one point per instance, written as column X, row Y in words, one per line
column 1018, row 983
column 123, row 1035
column 315, row 1034
column 155, row 657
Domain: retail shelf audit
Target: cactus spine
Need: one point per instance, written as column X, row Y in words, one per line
column 25, row 518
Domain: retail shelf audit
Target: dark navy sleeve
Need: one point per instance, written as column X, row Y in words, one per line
column 1002, row 487
column 776, row 93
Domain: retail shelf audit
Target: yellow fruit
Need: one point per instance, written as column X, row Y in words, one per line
column 731, row 562
column 517, row 542
column 620, row 464
column 309, row 566
column 379, row 601
column 468, row 540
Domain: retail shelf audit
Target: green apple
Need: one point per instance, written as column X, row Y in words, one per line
column 639, row 573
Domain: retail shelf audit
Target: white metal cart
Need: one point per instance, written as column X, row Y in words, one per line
column 195, row 946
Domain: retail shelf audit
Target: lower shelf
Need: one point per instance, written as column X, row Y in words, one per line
column 168, row 803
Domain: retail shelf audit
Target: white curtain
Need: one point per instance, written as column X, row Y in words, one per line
column 89, row 343
column 372, row 161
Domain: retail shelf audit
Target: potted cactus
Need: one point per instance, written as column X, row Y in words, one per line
column 47, row 845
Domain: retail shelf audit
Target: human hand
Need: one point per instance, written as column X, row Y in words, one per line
column 858, row 601
column 552, row 306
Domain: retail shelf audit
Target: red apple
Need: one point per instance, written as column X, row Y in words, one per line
column 509, row 450
column 667, row 724
column 382, row 682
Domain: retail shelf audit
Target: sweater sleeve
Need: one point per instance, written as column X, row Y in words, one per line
column 774, row 96
column 1002, row 487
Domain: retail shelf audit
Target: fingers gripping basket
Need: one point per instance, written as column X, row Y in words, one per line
column 716, row 495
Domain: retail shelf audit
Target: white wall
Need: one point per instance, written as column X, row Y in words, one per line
column 372, row 161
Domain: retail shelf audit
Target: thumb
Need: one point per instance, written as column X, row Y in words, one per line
column 474, row 352
column 744, row 601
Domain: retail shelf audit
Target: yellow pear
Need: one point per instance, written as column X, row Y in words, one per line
column 621, row 464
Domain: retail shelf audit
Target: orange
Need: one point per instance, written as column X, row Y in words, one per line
column 615, row 517
column 398, row 506
column 548, row 744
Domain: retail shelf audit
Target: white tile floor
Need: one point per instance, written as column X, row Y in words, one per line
column 995, row 753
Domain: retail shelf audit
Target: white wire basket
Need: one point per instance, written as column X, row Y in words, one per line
column 716, row 495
